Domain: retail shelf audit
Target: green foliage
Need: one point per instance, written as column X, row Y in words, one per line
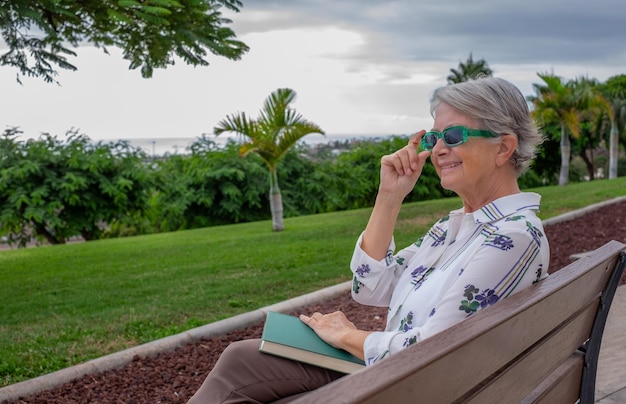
column 547, row 162
column 101, row 192
column 621, row 167
column 150, row 32
column 577, row 171
column 530, row 179
column 209, row 187
column 320, row 186
column 56, row 190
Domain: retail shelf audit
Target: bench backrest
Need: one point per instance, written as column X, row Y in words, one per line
column 523, row 349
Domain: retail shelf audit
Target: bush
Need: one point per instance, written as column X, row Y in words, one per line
column 621, row 167
column 53, row 190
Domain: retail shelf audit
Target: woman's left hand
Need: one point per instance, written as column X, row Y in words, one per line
column 332, row 328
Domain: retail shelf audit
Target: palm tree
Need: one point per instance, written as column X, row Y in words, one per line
column 619, row 119
column 555, row 102
column 270, row 136
column 565, row 103
column 614, row 89
column 469, row 70
column 593, row 106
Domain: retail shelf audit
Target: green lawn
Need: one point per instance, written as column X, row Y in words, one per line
column 62, row 305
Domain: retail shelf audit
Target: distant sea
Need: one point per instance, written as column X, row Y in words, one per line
column 181, row 145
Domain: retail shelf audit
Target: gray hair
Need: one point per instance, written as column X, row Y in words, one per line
column 496, row 105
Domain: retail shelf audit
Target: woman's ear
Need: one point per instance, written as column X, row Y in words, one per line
column 508, row 145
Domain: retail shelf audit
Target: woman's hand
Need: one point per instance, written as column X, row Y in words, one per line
column 398, row 174
column 338, row 331
column 399, row 171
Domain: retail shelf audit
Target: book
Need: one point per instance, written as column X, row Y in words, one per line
column 287, row 336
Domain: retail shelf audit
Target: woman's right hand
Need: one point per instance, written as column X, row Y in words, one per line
column 398, row 174
column 400, row 171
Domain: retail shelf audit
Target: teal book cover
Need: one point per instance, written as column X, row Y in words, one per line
column 287, row 336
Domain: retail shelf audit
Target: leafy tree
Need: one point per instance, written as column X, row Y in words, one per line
column 322, row 185
column 469, row 70
column 270, row 136
column 53, row 190
column 209, row 187
column 40, row 34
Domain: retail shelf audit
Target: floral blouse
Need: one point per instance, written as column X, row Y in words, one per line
column 463, row 264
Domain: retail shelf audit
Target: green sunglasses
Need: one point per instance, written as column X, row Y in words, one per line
column 453, row 136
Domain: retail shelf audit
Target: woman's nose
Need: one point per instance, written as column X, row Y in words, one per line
column 440, row 147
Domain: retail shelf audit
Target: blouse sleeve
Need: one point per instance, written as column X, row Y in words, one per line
column 500, row 266
column 374, row 281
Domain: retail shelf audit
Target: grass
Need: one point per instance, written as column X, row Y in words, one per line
column 63, row 305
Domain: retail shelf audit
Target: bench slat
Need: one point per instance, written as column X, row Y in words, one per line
column 562, row 386
column 448, row 365
column 532, row 367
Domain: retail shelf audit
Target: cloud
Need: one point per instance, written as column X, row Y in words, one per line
column 363, row 67
column 531, row 31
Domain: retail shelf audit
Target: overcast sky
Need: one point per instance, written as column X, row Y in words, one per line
column 359, row 67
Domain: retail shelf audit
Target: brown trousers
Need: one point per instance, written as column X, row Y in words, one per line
column 243, row 374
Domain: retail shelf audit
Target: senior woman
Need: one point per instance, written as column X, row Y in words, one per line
column 482, row 139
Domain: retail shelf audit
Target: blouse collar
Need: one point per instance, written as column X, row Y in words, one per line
column 505, row 206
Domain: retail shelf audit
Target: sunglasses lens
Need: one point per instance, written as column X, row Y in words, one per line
column 453, row 137
column 429, row 141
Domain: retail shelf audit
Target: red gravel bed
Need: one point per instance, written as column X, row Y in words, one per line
column 173, row 377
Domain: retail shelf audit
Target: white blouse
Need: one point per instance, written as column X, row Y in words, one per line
column 463, row 264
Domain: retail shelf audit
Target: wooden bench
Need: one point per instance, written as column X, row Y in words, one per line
column 539, row 345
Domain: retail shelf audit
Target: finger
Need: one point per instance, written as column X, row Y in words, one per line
column 416, row 139
column 406, row 157
column 416, row 157
column 401, row 162
column 393, row 161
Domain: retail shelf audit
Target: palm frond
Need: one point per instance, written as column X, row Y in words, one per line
column 296, row 132
column 276, row 108
column 238, row 123
column 571, row 120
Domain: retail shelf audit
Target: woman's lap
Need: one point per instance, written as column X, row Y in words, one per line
column 244, row 374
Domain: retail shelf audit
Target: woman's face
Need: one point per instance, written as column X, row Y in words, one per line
column 466, row 169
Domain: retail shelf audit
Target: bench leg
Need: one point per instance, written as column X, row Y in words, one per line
column 591, row 349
